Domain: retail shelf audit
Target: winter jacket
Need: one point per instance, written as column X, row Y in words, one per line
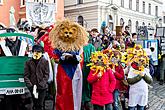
column 102, row 88
column 119, row 75
column 36, row 74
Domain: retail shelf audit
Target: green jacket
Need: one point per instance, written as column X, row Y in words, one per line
column 86, row 91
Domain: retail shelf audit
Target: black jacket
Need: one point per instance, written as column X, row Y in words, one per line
column 36, row 74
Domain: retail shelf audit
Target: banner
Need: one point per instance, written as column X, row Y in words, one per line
column 40, row 13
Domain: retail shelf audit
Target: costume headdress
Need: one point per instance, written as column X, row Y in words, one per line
column 99, row 62
column 68, row 36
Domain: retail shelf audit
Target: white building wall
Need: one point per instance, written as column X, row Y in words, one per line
column 126, row 4
column 70, row 2
column 134, row 5
column 94, row 17
column 86, row 1
column 90, row 19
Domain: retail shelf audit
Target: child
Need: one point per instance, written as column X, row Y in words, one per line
column 138, row 78
column 119, row 75
column 103, row 82
column 36, row 76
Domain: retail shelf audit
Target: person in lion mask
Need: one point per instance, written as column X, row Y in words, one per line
column 68, row 39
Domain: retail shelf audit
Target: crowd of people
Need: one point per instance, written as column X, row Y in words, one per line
column 114, row 89
column 125, row 90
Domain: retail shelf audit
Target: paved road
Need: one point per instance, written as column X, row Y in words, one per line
column 157, row 97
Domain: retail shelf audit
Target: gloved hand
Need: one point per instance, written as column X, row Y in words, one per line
column 35, row 93
column 69, row 58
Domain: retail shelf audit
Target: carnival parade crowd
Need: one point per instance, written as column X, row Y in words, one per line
column 104, row 70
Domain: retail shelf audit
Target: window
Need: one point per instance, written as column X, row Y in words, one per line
column 22, row 2
column 45, row 1
column 137, row 5
column 81, row 20
column 160, row 22
column 79, row 1
column 157, row 25
column 121, row 22
column 122, row 3
column 149, row 9
column 163, row 19
column 130, row 24
column 143, row 7
column 137, row 24
column 156, row 10
column 1, row 1
column 110, row 22
column 36, row 0
column 130, row 4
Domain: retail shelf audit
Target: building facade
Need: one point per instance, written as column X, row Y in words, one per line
column 20, row 9
column 134, row 13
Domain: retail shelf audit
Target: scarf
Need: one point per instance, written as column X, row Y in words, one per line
column 13, row 46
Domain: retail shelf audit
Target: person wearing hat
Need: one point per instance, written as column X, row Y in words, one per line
column 36, row 74
column 95, row 38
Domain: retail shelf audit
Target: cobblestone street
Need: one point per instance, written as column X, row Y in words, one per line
column 157, row 97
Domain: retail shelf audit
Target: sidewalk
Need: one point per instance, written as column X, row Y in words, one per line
column 157, row 97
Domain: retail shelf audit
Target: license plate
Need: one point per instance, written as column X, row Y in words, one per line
column 13, row 91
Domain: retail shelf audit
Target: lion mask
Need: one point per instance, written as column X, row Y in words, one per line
column 68, row 36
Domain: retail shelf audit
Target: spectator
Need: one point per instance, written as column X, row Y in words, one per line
column 134, row 37
column 87, row 88
column 36, row 77
column 119, row 75
column 95, row 38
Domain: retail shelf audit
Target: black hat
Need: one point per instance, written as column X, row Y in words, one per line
column 38, row 48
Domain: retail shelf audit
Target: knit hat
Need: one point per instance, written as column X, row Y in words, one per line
column 37, row 48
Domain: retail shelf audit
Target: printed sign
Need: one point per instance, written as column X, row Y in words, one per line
column 13, row 91
column 40, row 13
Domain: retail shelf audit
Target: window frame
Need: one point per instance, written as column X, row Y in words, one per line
column 1, row 2
column 156, row 10
column 80, row 1
column 136, row 25
column 130, row 4
column 36, row 0
column 143, row 7
column 130, row 24
column 22, row 3
column 137, row 5
column 80, row 20
column 122, row 3
column 121, row 22
column 149, row 8
column 164, row 19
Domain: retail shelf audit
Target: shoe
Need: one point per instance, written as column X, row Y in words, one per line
column 161, row 82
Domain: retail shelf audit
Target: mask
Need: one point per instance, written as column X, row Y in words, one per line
column 37, row 55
